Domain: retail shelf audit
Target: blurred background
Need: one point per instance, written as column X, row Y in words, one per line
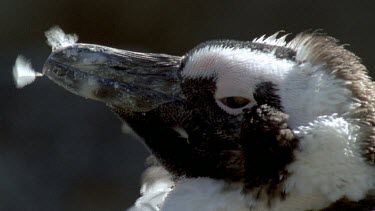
column 62, row 152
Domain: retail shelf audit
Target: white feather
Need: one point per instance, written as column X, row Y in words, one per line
column 205, row 194
column 23, row 73
column 332, row 167
column 156, row 185
column 272, row 40
column 56, row 38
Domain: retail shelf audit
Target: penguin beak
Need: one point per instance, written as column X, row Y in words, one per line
column 137, row 82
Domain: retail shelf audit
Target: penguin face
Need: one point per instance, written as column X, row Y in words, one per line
column 243, row 74
column 223, row 83
column 188, row 110
column 225, row 110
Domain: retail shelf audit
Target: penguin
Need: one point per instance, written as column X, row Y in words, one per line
column 266, row 124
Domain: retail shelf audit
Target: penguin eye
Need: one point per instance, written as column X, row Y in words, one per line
column 235, row 102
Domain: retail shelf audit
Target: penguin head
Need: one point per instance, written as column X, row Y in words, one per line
column 202, row 114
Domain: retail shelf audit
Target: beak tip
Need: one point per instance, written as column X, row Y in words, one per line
column 134, row 81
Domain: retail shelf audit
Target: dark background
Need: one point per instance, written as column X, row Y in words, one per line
column 62, row 152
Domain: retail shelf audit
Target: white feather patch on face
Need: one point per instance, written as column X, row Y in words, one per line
column 236, row 71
